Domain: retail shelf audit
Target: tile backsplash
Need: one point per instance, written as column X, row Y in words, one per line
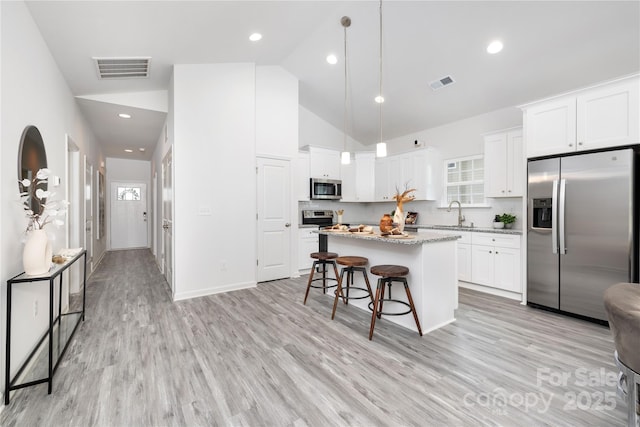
column 429, row 213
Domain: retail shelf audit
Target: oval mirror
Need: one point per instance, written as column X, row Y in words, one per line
column 31, row 158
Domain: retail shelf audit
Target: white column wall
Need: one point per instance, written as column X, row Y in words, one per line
column 33, row 93
column 214, row 178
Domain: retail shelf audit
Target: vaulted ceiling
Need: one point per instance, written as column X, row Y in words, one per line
column 550, row 47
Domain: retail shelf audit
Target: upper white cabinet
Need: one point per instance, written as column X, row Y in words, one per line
column 324, row 163
column 609, row 116
column 421, row 169
column 382, row 181
column 358, row 178
column 504, row 164
column 600, row 117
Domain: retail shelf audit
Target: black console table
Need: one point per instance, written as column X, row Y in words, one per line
column 66, row 323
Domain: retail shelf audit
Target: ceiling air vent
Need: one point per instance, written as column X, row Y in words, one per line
column 123, row 68
column 440, row 83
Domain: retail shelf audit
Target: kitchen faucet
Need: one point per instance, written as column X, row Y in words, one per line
column 460, row 216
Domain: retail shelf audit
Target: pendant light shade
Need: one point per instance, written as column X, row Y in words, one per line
column 381, row 149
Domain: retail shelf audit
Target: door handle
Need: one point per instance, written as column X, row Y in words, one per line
column 554, row 217
column 288, row 224
column 561, row 215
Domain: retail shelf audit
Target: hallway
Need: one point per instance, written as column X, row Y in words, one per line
column 258, row 357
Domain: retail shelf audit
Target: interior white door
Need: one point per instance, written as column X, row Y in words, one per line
column 167, row 219
column 274, row 219
column 88, row 213
column 128, row 215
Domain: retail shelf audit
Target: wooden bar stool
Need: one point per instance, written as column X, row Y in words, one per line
column 322, row 258
column 351, row 264
column 390, row 274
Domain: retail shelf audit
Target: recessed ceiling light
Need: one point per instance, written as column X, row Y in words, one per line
column 255, row 37
column 124, row 116
column 127, row 150
column 494, row 47
column 379, row 99
column 332, row 59
column 141, row 149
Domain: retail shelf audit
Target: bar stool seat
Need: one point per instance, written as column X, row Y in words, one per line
column 351, row 264
column 388, row 274
column 322, row 258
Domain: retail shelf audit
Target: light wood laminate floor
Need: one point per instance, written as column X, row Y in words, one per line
column 259, row 357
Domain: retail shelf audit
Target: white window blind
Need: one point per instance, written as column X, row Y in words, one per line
column 465, row 180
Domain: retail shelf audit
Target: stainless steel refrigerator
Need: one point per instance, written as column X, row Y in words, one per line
column 581, row 230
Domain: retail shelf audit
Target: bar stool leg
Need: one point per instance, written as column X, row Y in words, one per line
column 306, row 294
column 388, row 283
column 413, row 307
column 339, row 293
column 366, row 280
column 375, row 308
column 324, row 277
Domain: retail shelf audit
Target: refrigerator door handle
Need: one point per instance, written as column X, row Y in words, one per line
column 561, row 216
column 554, row 218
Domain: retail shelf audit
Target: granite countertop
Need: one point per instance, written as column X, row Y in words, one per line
column 452, row 228
column 411, row 239
column 472, row 229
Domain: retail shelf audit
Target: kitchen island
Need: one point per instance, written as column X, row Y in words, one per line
column 432, row 262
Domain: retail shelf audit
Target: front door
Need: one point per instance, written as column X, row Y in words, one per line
column 274, row 219
column 128, row 215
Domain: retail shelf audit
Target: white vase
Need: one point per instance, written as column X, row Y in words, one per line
column 36, row 257
column 399, row 219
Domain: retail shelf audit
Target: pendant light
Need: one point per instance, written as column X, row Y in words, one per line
column 381, row 147
column 345, row 157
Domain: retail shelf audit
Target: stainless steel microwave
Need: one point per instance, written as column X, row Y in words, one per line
column 325, row 189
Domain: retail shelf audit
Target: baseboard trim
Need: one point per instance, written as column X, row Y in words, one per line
column 212, row 291
column 489, row 290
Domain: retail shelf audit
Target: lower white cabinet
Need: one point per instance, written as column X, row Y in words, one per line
column 307, row 242
column 464, row 262
column 495, row 261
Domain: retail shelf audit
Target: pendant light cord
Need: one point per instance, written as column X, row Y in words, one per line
column 380, row 64
column 344, row 125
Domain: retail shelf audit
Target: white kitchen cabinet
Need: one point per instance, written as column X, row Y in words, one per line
column 308, row 241
column 348, row 178
column 358, row 178
column 382, row 180
column 604, row 116
column 464, row 261
column 495, row 261
column 365, row 176
column 302, row 176
column 609, row 116
column 421, row 169
column 504, row 164
column 324, row 163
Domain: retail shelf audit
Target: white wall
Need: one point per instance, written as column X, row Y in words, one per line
column 319, row 133
column 128, row 170
column 33, row 93
column 214, row 170
column 276, row 112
